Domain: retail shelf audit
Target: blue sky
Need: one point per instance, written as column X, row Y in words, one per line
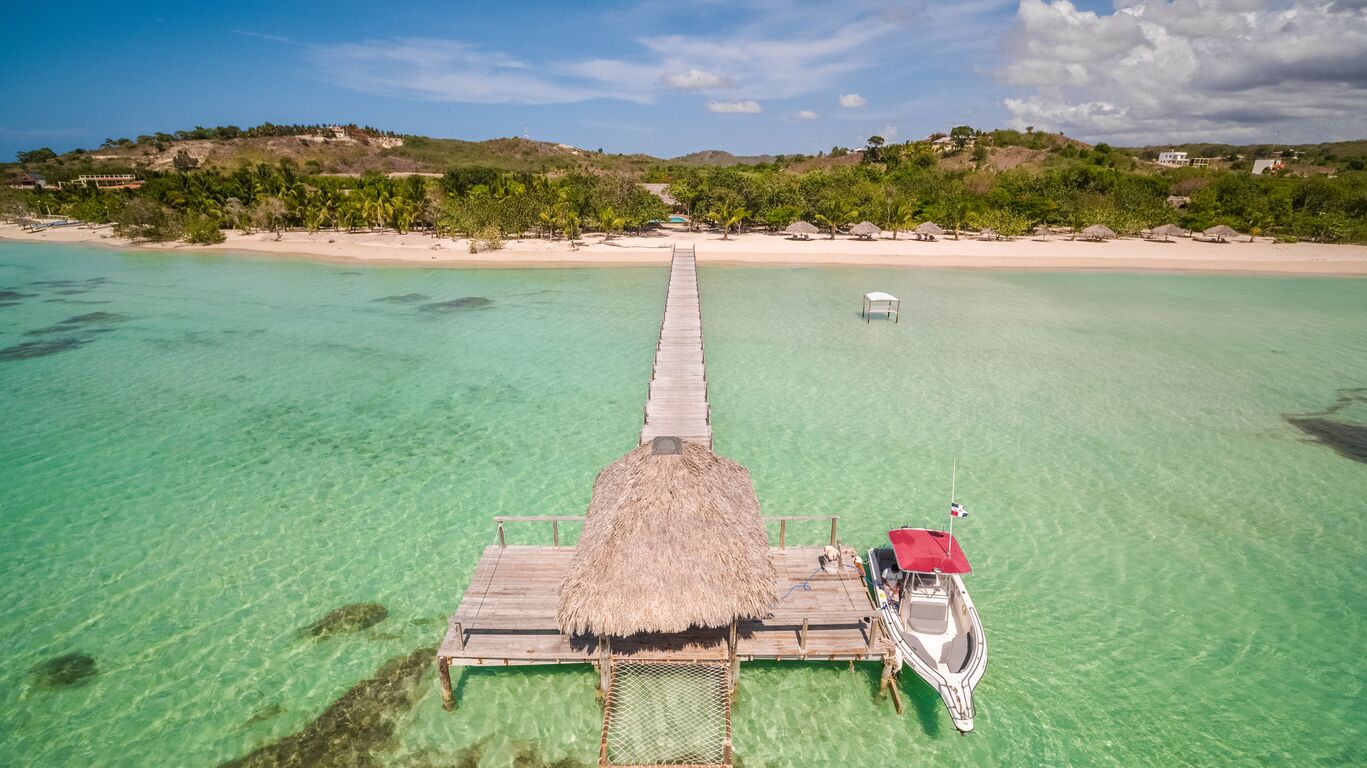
column 748, row 76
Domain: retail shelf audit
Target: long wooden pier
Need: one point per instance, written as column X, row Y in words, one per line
column 676, row 403
column 822, row 611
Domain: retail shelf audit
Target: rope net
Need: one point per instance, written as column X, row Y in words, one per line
column 668, row 714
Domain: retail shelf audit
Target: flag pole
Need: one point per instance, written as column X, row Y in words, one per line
column 953, row 488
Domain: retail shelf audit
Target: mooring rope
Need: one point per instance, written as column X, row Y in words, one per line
column 805, row 586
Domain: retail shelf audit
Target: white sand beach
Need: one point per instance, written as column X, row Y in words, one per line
column 1056, row 253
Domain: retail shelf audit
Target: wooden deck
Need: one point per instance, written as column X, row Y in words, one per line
column 676, row 403
column 507, row 617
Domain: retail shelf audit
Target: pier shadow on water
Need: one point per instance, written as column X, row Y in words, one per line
column 1347, row 438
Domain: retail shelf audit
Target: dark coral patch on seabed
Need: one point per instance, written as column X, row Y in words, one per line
column 464, row 302
column 403, row 298
column 349, row 618
column 65, row 671
column 358, row 724
column 31, row 349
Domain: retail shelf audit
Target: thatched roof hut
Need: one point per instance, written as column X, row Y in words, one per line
column 802, row 229
column 988, row 233
column 672, row 539
column 928, row 230
column 1098, row 232
column 1167, row 230
column 1221, row 232
column 866, row 230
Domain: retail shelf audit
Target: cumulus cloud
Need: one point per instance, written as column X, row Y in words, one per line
column 889, row 132
column 852, row 100
column 695, row 80
column 450, row 70
column 804, row 114
column 1156, row 71
column 734, row 107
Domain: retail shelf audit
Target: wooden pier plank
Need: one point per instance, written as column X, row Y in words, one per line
column 507, row 617
column 676, row 403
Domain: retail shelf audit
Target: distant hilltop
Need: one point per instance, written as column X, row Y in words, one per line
column 349, row 150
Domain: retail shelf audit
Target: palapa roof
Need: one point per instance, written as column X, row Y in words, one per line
column 661, row 191
column 671, row 541
column 1098, row 231
column 865, row 229
column 1168, row 230
column 988, row 233
column 1221, row 230
column 929, row 228
column 1041, row 229
column 802, row 228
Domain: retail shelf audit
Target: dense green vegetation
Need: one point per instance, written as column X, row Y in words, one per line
column 896, row 186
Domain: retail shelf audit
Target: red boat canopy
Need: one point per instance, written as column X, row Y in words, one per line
column 926, row 551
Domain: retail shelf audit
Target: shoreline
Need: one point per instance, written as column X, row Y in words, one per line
column 390, row 249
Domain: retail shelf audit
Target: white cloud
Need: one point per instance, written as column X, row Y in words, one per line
column 695, row 80
column 889, row 132
column 804, row 114
column 768, row 49
column 1154, row 71
column 449, row 70
column 761, row 66
column 734, row 107
column 852, row 100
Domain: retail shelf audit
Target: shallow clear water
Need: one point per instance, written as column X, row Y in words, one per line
column 1169, row 572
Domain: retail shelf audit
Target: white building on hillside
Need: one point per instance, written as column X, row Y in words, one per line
column 1173, row 158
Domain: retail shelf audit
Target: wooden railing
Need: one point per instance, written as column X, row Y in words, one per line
column 783, row 525
column 554, row 520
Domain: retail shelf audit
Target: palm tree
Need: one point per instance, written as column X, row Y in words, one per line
column 957, row 208
column 837, row 214
column 902, row 217
column 608, row 221
column 727, row 214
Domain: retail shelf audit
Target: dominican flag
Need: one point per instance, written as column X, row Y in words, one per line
column 956, row 510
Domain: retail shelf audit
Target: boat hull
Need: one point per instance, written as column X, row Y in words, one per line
column 956, row 685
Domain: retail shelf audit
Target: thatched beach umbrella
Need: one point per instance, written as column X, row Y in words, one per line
column 802, row 229
column 987, row 233
column 1168, row 230
column 929, row 230
column 1098, row 232
column 1221, row 233
column 865, row 230
column 1041, row 231
column 671, row 541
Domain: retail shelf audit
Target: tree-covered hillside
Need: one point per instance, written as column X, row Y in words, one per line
column 1008, row 181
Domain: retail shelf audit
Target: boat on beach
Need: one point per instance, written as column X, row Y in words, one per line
column 919, row 591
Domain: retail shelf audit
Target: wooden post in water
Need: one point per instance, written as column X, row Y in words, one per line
column 782, row 533
column 833, row 520
column 448, row 699
column 604, row 664
column 802, row 639
column 735, row 658
column 889, row 683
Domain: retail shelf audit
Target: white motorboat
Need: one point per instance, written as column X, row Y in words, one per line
column 929, row 615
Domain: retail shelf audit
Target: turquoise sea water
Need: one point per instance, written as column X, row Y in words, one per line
column 1169, row 572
